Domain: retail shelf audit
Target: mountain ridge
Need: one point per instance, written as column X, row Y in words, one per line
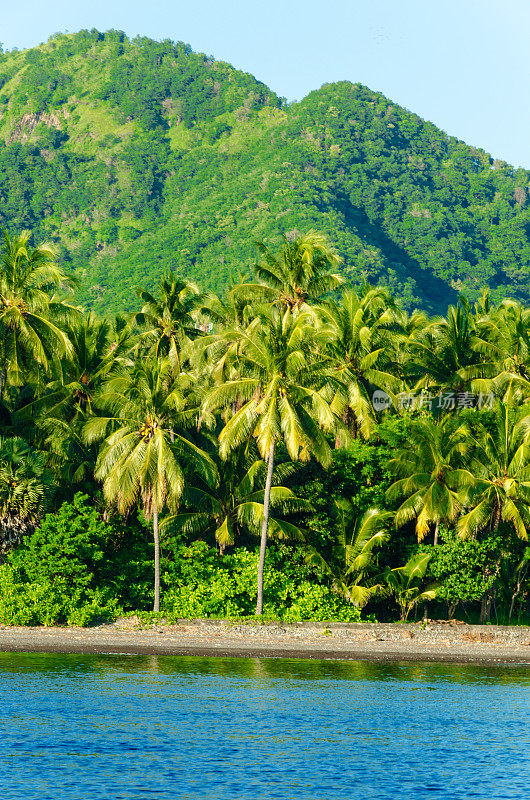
column 138, row 156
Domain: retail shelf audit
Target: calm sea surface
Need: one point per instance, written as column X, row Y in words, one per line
column 76, row 727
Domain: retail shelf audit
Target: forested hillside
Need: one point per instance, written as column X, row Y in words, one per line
column 136, row 156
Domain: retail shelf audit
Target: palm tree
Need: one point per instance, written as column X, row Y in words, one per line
column 498, row 487
column 233, row 309
column 442, row 354
column 99, row 349
column 279, row 398
column 353, row 551
column 144, row 454
column 171, row 319
column 432, row 477
column 298, row 274
column 26, row 487
column 503, row 341
column 405, row 584
column 235, row 504
column 30, row 319
column 362, row 344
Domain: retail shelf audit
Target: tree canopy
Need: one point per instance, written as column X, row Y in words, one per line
column 136, row 156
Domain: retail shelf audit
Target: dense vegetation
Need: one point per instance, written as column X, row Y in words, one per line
column 134, row 156
column 381, row 459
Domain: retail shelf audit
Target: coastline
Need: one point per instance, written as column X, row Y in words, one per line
column 418, row 642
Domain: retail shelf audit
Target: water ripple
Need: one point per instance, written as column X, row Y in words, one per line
column 77, row 727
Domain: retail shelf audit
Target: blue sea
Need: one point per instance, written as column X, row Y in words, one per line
column 88, row 727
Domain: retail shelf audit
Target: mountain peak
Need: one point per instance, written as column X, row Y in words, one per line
column 137, row 156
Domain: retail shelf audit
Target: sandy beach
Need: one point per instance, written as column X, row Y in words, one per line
column 434, row 641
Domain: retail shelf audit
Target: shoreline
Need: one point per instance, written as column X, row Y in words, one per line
column 392, row 642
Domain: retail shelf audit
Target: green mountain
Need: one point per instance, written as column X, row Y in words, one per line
column 136, row 156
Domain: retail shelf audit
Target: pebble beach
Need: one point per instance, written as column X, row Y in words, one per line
column 425, row 641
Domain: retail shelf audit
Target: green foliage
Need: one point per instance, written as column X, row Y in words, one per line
column 145, row 156
column 67, row 549
column 352, row 554
column 405, row 584
column 358, row 472
column 463, row 567
column 193, row 391
column 428, row 473
column 26, row 489
column 42, row 603
column 203, row 584
column 57, row 575
column 233, row 507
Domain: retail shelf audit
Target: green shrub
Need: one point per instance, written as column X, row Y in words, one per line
column 204, row 584
column 41, row 603
column 465, row 569
column 58, row 575
column 67, row 548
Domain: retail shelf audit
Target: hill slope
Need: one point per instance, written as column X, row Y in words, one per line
column 137, row 156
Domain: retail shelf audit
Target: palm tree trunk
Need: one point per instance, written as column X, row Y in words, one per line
column 520, row 581
column 264, row 529
column 436, row 534
column 156, row 606
column 3, row 374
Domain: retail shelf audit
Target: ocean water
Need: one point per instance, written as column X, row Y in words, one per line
column 85, row 727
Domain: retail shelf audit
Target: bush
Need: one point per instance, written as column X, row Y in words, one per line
column 41, row 603
column 78, row 569
column 468, row 570
column 204, row 584
column 67, row 548
column 57, row 574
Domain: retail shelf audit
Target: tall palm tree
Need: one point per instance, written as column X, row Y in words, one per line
column 279, row 394
column 146, row 449
column 235, row 504
column 498, row 488
column 363, row 346
column 503, row 342
column 432, row 477
column 31, row 319
column 171, row 319
column 353, row 551
column 301, row 272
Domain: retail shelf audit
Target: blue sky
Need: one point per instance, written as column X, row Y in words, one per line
column 463, row 64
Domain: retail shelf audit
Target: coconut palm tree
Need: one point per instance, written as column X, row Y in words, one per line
column 362, row 346
column 352, row 552
column 443, row 354
column 503, row 342
column 498, row 488
column 432, row 477
column 171, row 319
column 235, row 504
column 303, row 271
column 146, row 449
column 278, row 392
column 100, row 348
column 31, row 332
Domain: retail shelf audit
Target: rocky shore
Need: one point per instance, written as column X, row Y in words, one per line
column 425, row 641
